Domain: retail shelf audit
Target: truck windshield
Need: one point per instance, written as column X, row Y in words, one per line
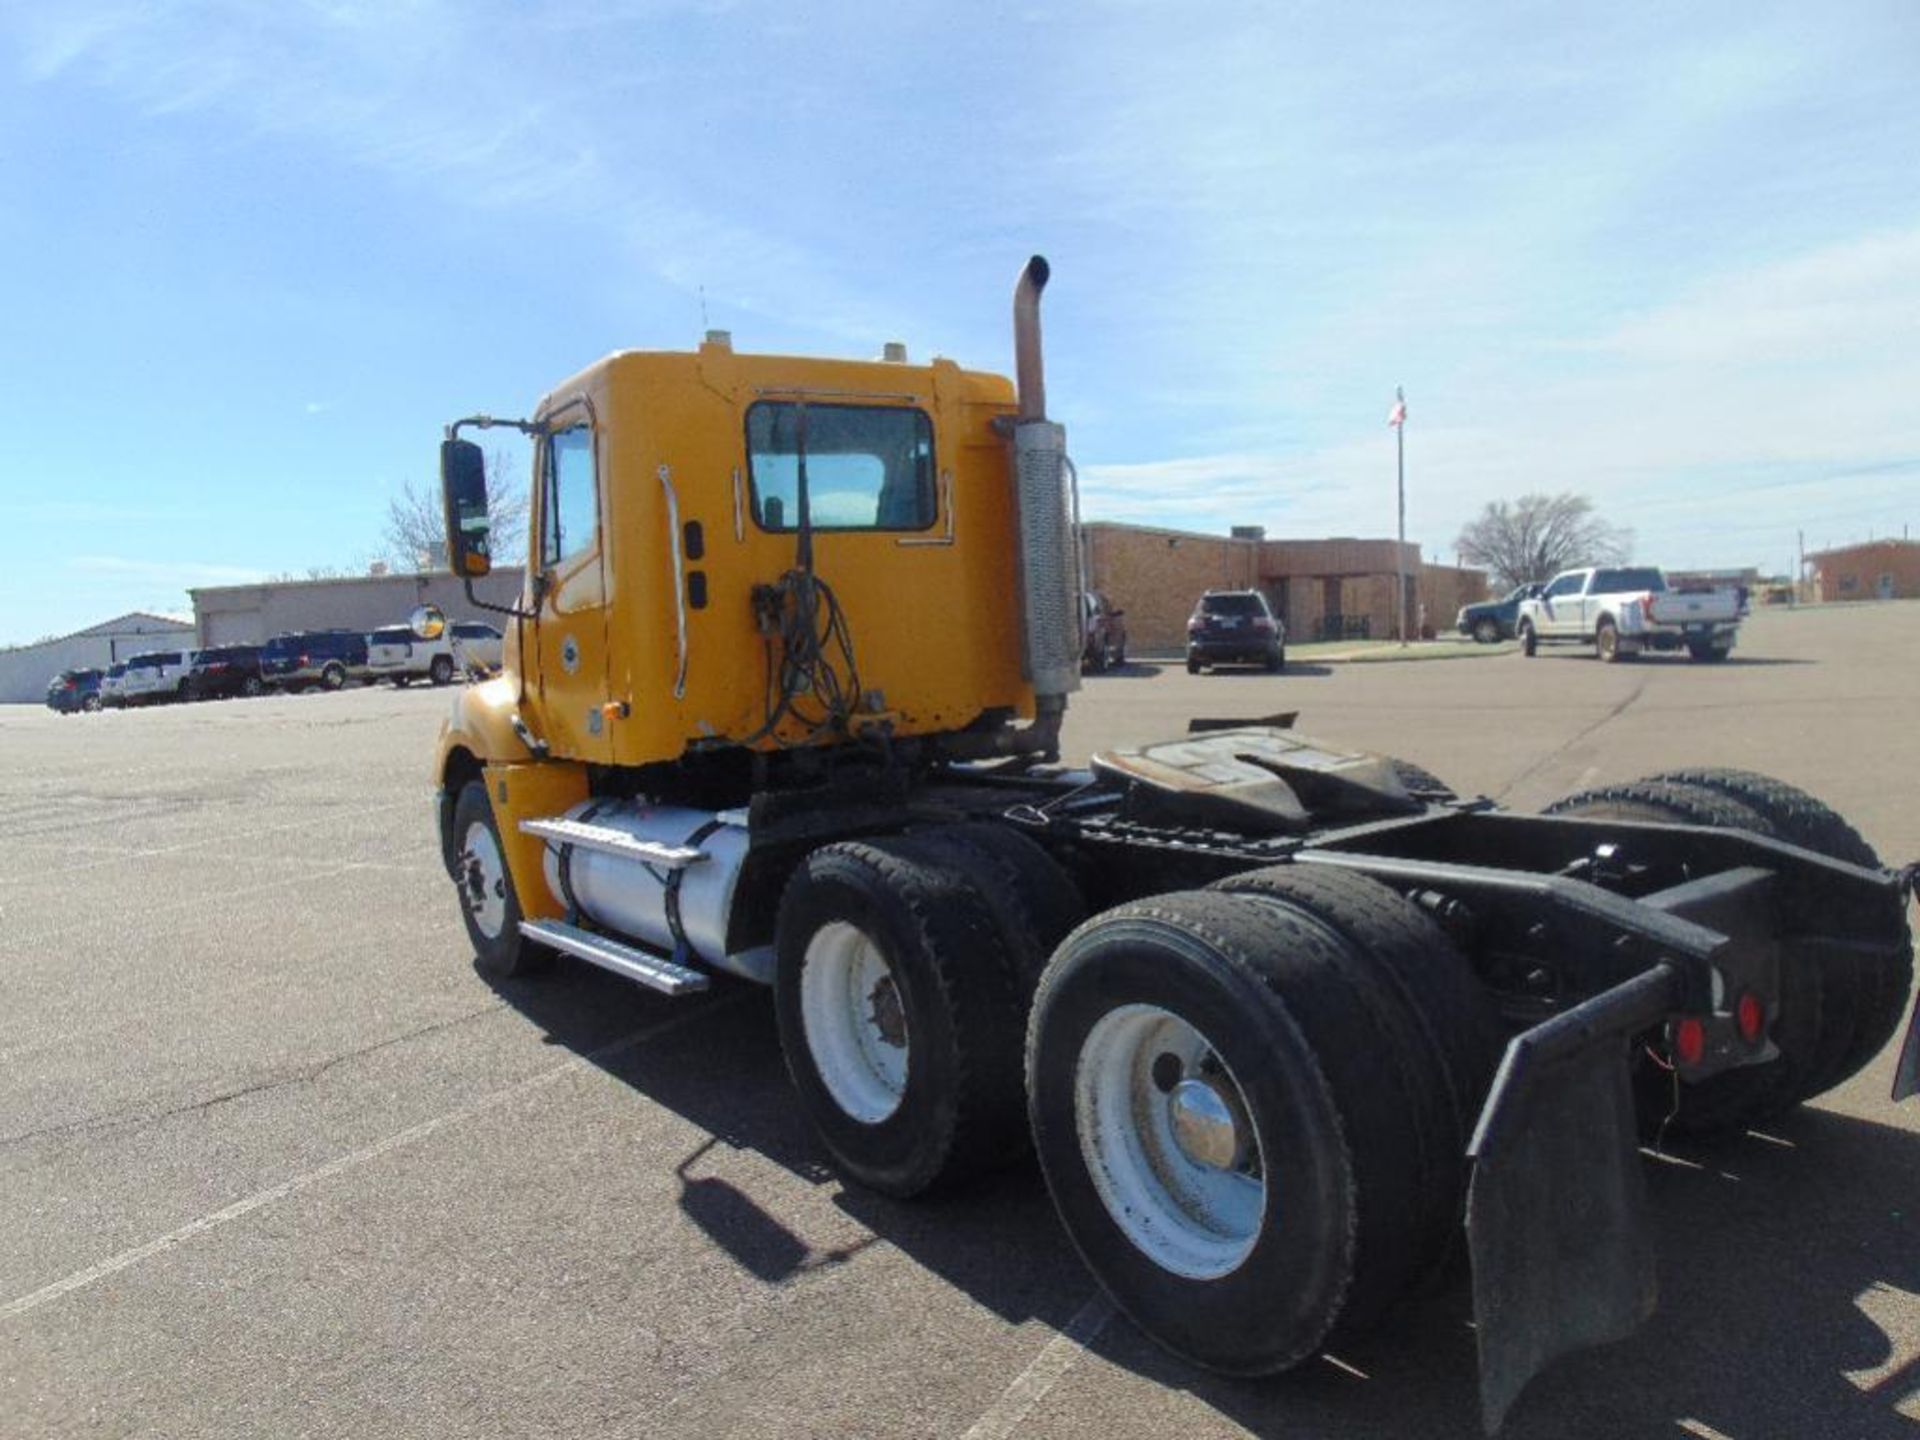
column 868, row 467
column 1614, row 582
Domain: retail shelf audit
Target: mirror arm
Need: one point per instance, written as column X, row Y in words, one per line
column 513, row 610
column 489, row 422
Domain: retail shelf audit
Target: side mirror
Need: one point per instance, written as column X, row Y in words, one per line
column 427, row 622
column 463, row 493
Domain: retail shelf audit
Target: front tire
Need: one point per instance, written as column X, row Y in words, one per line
column 489, row 904
column 1529, row 640
column 333, row 676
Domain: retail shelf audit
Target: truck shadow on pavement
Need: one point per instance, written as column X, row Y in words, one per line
column 1789, row 1262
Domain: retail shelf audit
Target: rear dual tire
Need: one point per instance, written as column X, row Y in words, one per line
column 1250, row 1134
column 1835, row 1016
column 903, row 973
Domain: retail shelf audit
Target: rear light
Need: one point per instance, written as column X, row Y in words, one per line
column 301, row 661
column 1750, row 1017
column 1689, row 1040
column 1262, row 626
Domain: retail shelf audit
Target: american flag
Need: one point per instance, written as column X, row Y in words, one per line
column 1397, row 416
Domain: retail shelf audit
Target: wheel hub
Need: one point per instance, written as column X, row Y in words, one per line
column 1204, row 1126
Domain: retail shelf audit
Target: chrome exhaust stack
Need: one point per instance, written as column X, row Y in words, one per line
column 1051, row 638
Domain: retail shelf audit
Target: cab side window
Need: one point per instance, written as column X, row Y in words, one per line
column 1565, row 585
column 570, row 511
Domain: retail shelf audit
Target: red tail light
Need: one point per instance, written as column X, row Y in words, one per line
column 1689, row 1040
column 1750, row 1017
column 1262, row 626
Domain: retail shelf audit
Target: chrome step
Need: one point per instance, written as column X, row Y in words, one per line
column 656, row 972
column 589, row 836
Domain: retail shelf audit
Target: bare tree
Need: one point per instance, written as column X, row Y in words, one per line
column 1538, row 535
column 416, row 534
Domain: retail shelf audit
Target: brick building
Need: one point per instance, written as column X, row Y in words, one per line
column 1878, row 570
column 1321, row 588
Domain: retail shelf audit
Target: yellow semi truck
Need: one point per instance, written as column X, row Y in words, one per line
column 781, row 702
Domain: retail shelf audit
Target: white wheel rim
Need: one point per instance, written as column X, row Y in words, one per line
column 855, row 1022
column 483, row 880
column 1189, row 1216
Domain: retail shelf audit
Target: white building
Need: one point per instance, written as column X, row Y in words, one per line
column 26, row 669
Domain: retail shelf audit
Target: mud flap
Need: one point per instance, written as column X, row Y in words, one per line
column 1556, row 1212
column 1906, row 1073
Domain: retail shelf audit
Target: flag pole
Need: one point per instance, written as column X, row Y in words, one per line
column 1400, row 550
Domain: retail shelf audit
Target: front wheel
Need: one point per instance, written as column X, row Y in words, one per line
column 488, row 902
column 333, row 676
column 1529, row 641
column 253, row 686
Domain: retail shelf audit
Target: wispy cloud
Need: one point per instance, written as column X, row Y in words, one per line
column 174, row 574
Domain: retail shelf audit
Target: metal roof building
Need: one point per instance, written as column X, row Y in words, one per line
column 26, row 669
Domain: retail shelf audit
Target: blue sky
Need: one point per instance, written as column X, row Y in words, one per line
column 254, row 255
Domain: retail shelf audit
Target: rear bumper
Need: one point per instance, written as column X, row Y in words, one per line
column 1246, row 650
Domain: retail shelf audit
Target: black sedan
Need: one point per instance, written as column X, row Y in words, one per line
column 1493, row 620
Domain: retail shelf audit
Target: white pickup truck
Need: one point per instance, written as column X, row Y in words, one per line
column 1628, row 609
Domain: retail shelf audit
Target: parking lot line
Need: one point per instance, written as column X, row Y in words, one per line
column 1056, row 1357
column 126, row 1259
column 117, row 856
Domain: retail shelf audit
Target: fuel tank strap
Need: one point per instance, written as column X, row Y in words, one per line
column 670, row 888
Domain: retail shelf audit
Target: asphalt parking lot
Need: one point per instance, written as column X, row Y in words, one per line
column 274, row 1160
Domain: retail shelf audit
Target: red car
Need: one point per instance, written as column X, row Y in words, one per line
column 1105, row 631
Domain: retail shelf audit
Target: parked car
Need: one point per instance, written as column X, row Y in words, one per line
column 156, row 677
column 113, row 687
column 225, row 670
column 74, row 690
column 478, row 646
column 303, row 658
column 395, row 653
column 401, row 654
column 1103, row 630
column 1490, row 621
column 1235, row 626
